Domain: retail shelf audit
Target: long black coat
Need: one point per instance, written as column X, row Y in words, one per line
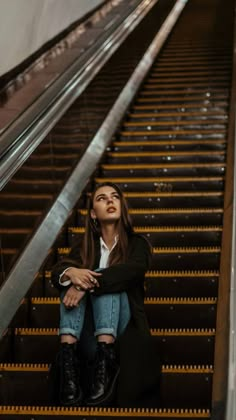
column 140, row 368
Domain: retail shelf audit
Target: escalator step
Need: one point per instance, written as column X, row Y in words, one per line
column 168, row 217
column 169, row 236
column 181, row 312
column 176, row 346
column 176, row 199
column 181, row 283
column 60, row 413
column 161, row 312
column 20, row 218
column 185, row 258
column 167, row 146
column 168, row 184
column 163, row 170
column 168, row 156
column 192, row 258
column 160, row 284
column 25, row 202
column 178, row 385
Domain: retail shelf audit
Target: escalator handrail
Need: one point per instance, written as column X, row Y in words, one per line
column 36, row 251
column 24, row 135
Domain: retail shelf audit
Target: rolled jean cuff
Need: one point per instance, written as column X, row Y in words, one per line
column 105, row 331
column 69, row 331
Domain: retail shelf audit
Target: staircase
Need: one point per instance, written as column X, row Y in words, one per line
column 169, row 158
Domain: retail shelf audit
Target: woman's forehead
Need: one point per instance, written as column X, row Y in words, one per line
column 106, row 189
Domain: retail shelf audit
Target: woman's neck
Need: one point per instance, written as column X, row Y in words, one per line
column 108, row 235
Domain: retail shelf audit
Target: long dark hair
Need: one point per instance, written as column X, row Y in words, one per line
column 93, row 231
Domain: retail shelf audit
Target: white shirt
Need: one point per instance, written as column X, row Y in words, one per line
column 105, row 253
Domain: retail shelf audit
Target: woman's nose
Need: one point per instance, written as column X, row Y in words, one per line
column 110, row 200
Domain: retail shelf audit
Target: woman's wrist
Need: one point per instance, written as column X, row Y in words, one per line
column 78, row 288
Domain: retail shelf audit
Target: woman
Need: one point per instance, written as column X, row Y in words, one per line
column 105, row 276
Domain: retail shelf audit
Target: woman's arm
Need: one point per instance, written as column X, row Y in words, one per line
column 122, row 277
column 72, row 260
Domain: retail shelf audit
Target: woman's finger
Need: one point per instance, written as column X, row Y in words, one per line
column 95, row 273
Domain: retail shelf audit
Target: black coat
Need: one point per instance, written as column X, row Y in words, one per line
column 140, row 368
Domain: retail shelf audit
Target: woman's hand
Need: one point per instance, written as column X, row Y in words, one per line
column 82, row 277
column 73, row 297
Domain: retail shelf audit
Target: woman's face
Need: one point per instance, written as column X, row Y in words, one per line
column 106, row 205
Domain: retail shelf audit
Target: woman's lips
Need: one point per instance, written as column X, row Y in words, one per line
column 111, row 209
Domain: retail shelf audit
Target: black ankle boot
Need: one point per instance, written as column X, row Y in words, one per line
column 70, row 391
column 106, row 373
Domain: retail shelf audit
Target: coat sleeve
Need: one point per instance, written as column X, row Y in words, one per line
column 73, row 260
column 122, row 277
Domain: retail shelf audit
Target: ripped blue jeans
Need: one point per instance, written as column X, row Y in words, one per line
column 111, row 314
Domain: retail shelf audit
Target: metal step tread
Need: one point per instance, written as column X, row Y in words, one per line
column 108, row 413
column 209, row 332
column 44, row 367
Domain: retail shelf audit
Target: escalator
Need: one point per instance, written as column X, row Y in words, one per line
column 169, row 158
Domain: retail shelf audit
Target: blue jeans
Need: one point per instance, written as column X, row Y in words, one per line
column 111, row 313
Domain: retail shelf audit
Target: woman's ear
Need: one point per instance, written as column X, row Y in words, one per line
column 93, row 214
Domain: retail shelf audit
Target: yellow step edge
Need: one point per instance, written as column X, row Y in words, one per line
column 20, row 212
column 181, row 98
column 39, row 181
column 161, row 250
column 114, row 412
column 22, row 231
column 182, row 114
column 156, row 107
column 154, row 331
column 174, row 194
column 209, row 210
column 161, row 165
column 149, row 89
column 172, row 132
column 27, row 196
column 162, row 179
column 55, row 155
column 202, row 72
column 167, row 274
column 162, row 229
column 46, row 168
column 191, row 80
column 168, row 153
column 185, row 273
column 33, row 367
column 36, row 331
column 9, row 251
column 167, row 142
column 180, row 301
column 186, row 250
column 185, row 332
column 184, row 84
column 173, row 122
column 153, row 301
